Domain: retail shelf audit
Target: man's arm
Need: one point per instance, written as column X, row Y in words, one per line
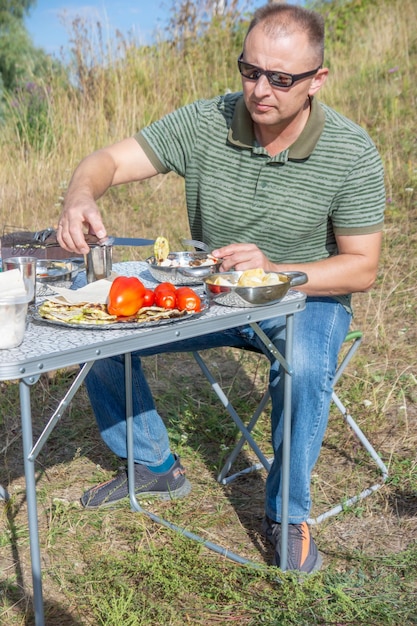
column 354, row 269
column 123, row 162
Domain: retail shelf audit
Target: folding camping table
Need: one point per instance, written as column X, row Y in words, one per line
column 48, row 347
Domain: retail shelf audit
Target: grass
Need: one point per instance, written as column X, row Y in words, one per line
column 115, row 567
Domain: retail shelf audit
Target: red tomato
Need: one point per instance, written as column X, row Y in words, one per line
column 125, row 296
column 148, row 298
column 187, row 299
column 165, row 298
column 164, row 287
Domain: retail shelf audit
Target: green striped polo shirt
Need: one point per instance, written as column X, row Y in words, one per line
column 329, row 181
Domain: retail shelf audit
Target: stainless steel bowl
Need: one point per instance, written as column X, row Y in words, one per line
column 188, row 268
column 48, row 271
column 232, row 295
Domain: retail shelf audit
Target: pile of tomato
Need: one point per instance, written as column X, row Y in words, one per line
column 128, row 294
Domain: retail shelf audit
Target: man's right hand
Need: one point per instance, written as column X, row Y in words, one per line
column 122, row 162
column 76, row 219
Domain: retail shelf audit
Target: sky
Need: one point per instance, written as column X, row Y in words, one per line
column 49, row 21
column 141, row 18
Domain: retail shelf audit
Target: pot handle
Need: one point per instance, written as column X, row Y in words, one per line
column 296, row 278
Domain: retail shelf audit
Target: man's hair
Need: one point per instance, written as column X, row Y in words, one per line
column 281, row 19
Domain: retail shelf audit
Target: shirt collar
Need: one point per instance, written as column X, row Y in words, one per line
column 241, row 131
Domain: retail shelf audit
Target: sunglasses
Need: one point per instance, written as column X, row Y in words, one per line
column 276, row 79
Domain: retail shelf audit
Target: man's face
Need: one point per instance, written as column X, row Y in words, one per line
column 274, row 106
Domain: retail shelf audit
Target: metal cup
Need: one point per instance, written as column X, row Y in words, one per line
column 27, row 267
column 98, row 262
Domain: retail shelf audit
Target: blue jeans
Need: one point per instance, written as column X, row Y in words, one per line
column 319, row 332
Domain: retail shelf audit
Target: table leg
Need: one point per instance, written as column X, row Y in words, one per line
column 129, row 434
column 30, row 453
column 286, row 444
column 24, row 389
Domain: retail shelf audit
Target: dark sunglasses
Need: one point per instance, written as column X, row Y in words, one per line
column 276, row 79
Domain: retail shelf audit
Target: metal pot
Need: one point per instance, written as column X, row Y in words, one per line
column 232, row 295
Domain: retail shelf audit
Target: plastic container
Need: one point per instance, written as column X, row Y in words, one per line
column 13, row 315
column 27, row 267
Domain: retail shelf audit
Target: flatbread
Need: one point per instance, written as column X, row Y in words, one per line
column 97, row 314
column 76, row 313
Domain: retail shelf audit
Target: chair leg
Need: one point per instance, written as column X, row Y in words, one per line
column 232, row 412
column 223, row 478
column 356, row 338
column 4, row 494
column 371, row 451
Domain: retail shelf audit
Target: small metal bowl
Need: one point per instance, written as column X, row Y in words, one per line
column 232, row 295
column 55, row 271
column 50, row 274
column 188, row 268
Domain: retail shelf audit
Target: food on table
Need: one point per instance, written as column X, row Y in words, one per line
column 249, row 278
column 126, row 296
column 258, row 278
column 149, row 297
column 96, row 314
column 163, row 302
column 187, row 299
column 161, row 249
column 86, row 313
column 197, row 262
column 165, row 298
column 165, row 286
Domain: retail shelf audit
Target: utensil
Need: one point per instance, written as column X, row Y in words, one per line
column 98, row 262
column 27, row 267
column 55, row 271
column 55, row 274
column 13, row 314
column 232, row 295
column 125, row 241
column 184, row 270
column 196, row 244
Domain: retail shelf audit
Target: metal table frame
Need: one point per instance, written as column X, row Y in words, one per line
column 48, row 347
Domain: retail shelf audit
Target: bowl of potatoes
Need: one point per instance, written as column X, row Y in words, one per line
column 251, row 288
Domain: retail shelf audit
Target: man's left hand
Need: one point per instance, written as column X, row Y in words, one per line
column 242, row 256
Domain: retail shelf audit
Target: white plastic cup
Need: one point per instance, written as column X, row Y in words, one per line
column 13, row 313
column 27, row 267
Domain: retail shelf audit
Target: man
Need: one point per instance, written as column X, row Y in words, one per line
column 276, row 180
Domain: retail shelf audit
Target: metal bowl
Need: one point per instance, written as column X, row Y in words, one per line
column 55, row 271
column 188, row 268
column 232, row 295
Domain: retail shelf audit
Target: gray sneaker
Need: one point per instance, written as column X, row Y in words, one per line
column 165, row 486
column 303, row 554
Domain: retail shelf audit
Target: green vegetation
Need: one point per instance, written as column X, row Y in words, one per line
column 115, row 567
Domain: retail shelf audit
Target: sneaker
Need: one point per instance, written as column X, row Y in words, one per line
column 165, row 486
column 303, row 554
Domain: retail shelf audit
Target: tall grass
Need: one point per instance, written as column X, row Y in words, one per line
column 118, row 87
column 112, row 567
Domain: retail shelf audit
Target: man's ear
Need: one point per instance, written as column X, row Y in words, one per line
column 318, row 81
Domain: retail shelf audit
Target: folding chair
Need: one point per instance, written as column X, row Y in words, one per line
column 354, row 338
